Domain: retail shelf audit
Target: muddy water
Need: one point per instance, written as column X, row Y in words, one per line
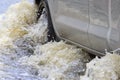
column 24, row 57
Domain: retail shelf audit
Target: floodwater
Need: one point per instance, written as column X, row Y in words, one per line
column 6, row 3
column 23, row 56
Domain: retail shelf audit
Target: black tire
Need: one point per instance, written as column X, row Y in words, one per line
column 44, row 4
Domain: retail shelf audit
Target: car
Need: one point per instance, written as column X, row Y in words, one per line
column 93, row 25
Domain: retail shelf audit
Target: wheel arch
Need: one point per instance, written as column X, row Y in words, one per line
column 51, row 31
column 37, row 2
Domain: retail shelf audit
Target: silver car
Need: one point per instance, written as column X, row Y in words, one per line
column 93, row 25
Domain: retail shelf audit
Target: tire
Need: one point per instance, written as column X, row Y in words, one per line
column 51, row 36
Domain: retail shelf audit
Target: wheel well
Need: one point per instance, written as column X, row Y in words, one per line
column 37, row 2
column 51, row 32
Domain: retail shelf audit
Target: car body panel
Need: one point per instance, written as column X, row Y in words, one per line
column 99, row 24
column 73, row 27
column 114, row 39
column 92, row 24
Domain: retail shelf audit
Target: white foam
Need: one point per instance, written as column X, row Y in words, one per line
column 105, row 68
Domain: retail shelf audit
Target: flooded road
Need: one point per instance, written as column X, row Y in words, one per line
column 23, row 56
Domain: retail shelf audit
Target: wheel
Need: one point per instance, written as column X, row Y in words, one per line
column 43, row 8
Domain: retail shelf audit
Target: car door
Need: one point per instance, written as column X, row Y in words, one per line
column 72, row 20
column 114, row 37
column 99, row 24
